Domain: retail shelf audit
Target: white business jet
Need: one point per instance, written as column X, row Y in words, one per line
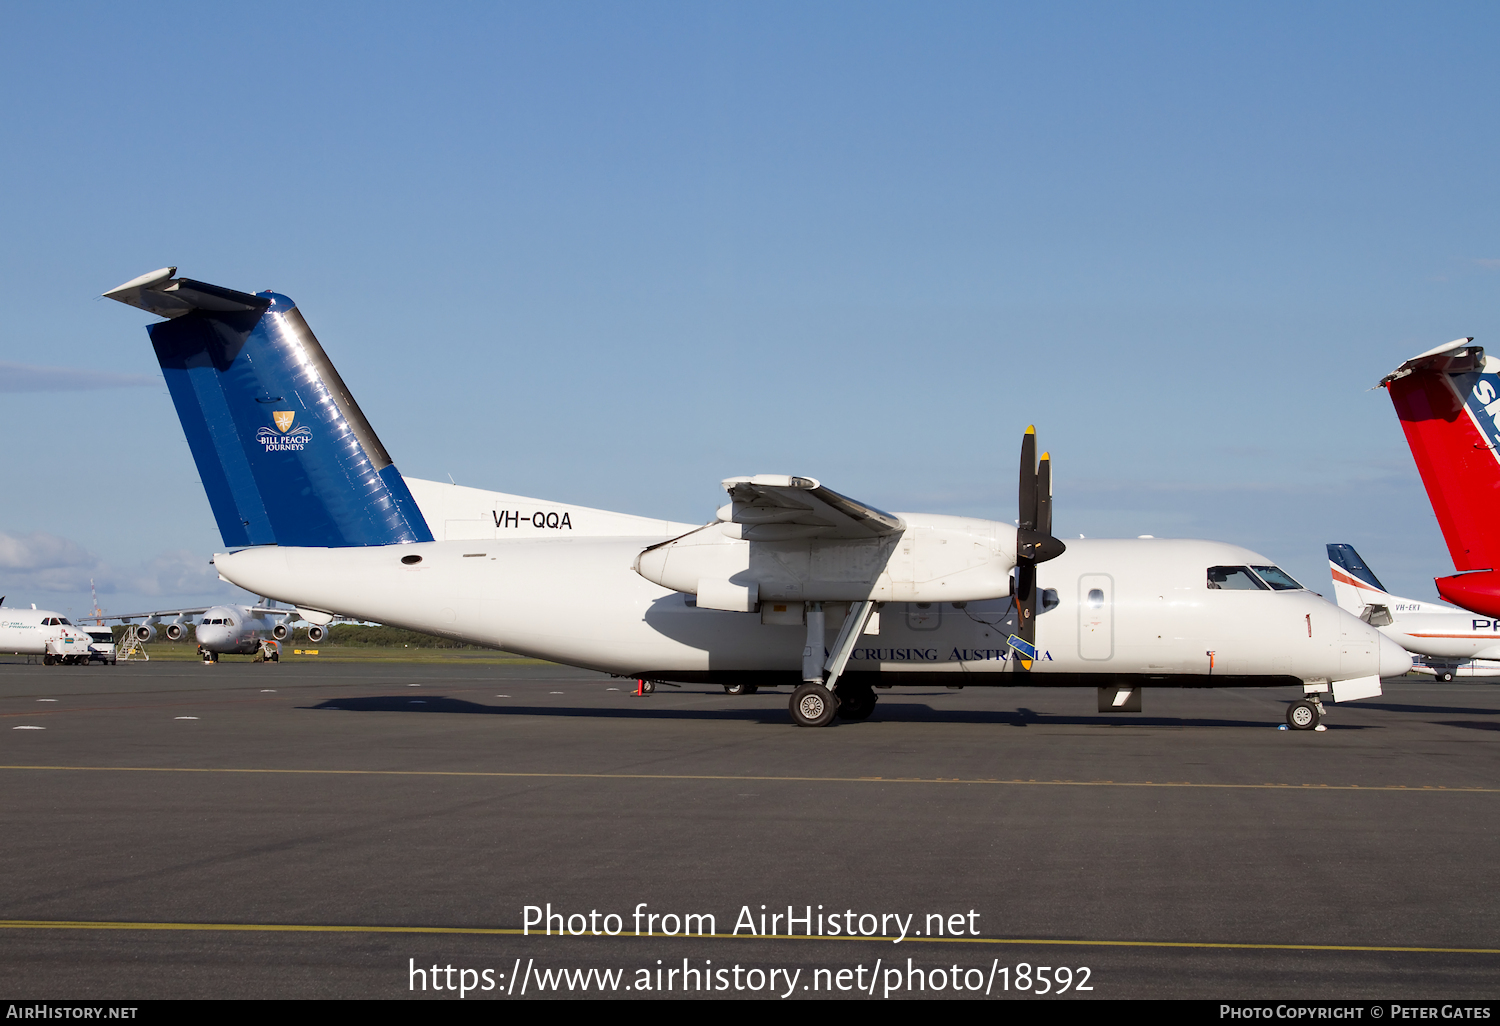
column 220, row 630
column 43, row 632
column 793, row 584
column 1453, row 642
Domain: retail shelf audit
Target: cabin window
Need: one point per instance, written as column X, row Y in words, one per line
column 1049, row 599
column 1096, row 598
column 411, row 560
column 1277, row 578
column 1233, row 578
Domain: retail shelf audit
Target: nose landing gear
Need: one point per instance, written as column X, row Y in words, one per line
column 1304, row 715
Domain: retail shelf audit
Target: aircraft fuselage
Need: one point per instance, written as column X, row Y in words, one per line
column 1136, row 610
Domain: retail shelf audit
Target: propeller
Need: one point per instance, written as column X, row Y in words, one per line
column 1034, row 541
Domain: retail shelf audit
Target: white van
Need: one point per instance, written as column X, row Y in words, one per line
column 102, row 648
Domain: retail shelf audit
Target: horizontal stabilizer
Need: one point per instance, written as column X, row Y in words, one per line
column 166, row 296
column 1455, row 357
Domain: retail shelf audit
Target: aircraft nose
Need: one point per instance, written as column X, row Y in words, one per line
column 1394, row 660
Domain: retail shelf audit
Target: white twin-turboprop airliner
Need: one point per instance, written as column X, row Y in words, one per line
column 792, row 584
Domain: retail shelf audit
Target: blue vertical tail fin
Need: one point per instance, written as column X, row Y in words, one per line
column 284, row 452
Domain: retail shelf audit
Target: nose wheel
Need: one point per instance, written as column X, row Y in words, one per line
column 1304, row 715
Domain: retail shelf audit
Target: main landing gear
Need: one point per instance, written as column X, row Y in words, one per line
column 1304, row 715
column 813, row 705
column 741, row 689
column 856, row 701
column 821, row 697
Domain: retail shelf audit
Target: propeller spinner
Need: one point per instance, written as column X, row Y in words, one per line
column 1034, row 543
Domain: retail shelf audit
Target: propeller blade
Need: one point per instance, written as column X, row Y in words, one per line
column 1044, row 495
column 1034, row 544
column 1026, row 503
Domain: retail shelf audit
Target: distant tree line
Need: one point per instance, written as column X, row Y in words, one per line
column 357, row 635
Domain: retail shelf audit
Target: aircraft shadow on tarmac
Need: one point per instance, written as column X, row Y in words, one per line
column 1450, row 709
column 889, row 711
column 1470, row 724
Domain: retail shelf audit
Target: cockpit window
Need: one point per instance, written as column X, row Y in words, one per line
column 1233, row 578
column 1277, row 578
column 64, row 620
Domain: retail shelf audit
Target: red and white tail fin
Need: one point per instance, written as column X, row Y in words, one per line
column 1448, row 400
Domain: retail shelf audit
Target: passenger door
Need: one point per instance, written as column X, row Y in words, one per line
column 1096, row 617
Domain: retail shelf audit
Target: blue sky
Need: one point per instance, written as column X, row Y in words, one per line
column 613, row 253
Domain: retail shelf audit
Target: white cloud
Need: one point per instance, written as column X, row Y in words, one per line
column 178, row 572
column 45, row 562
column 41, row 562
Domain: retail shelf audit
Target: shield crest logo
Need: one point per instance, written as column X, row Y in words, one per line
column 283, row 419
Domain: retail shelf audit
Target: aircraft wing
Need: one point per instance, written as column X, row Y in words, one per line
column 772, row 506
column 160, row 613
column 167, row 614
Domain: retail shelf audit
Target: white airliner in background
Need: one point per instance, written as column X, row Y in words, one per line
column 1453, row 642
column 221, row 630
column 792, row 583
column 42, row 632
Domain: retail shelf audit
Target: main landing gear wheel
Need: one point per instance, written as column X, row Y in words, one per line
column 1445, row 675
column 813, row 705
column 741, row 689
column 857, row 702
column 1303, row 715
column 648, row 687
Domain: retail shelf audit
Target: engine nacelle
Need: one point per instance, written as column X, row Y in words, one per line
column 173, row 631
column 315, row 634
column 142, row 632
column 280, row 632
column 936, row 558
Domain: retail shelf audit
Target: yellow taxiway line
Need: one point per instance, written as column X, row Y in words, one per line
column 63, row 924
